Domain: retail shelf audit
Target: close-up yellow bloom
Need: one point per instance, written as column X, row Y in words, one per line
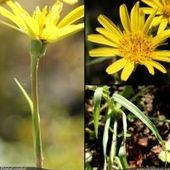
column 162, row 15
column 45, row 24
column 135, row 44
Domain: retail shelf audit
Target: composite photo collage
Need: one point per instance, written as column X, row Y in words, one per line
column 85, row 84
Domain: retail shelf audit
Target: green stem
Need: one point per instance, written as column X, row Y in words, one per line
column 37, row 50
column 113, row 145
column 35, row 114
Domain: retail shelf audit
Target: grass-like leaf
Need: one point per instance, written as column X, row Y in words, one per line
column 138, row 113
column 26, row 96
column 122, row 150
column 96, row 112
column 113, row 144
column 124, row 120
column 106, row 137
column 123, row 156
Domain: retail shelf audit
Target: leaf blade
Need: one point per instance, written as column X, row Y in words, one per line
column 26, row 96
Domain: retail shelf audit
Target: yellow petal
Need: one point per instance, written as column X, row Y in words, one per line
column 134, row 17
column 54, row 14
column 141, row 20
column 162, row 55
column 70, row 2
column 17, row 8
column 40, row 17
column 162, row 25
column 11, row 26
column 72, row 17
column 160, row 38
column 157, row 20
column 13, row 18
column 153, row 3
column 116, row 66
column 164, row 59
column 99, row 39
column 52, row 34
column 103, row 52
column 109, row 35
column 109, row 25
column 149, row 22
column 149, row 67
column 127, row 71
column 124, row 16
column 147, row 10
column 30, row 23
column 158, row 66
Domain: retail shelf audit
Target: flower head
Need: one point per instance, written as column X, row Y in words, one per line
column 45, row 24
column 135, row 45
column 163, row 12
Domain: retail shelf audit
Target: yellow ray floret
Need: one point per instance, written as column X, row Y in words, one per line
column 162, row 15
column 135, row 45
column 45, row 24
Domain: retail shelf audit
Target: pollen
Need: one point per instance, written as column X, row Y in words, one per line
column 166, row 11
column 136, row 47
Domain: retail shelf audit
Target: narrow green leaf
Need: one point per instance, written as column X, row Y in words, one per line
column 123, row 156
column 124, row 120
column 122, row 150
column 138, row 113
column 88, row 166
column 99, row 60
column 114, row 142
column 118, row 162
column 106, row 137
column 26, row 96
column 96, row 112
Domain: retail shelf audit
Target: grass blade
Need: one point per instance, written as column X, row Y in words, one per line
column 138, row 113
column 106, row 137
column 96, row 112
column 26, row 96
column 118, row 162
column 124, row 120
column 114, row 144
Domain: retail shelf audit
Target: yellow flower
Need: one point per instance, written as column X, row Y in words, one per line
column 162, row 15
column 135, row 45
column 70, row 2
column 45, row 24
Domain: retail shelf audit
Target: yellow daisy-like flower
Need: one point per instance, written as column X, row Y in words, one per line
column 135, row 45
column 162, row 15
column 45, row 24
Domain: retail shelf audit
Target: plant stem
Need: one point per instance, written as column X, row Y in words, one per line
column 35, row 113
column 113, row 145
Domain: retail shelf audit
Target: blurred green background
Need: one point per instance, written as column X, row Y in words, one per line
column 61, row 99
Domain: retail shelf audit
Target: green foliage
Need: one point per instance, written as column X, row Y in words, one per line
column 115, row 110
column 138, row 113
column 96, row 102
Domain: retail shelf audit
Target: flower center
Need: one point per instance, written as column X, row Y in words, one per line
column 136, row 47
column 166, row 11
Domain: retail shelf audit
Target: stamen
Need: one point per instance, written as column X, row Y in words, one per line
column 136, row 47
column 166, row 11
